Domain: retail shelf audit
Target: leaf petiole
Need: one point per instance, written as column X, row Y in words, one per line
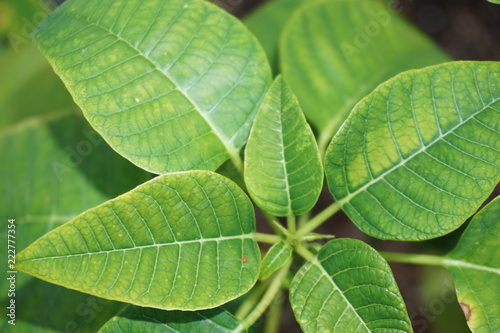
column 411, row 258
column 291, row 223
column 304, row 252
column 249, row 303
column 268, row 297
column 318, row 219
column 237, row 161
column 304, row 218
column 267, row 238
column 274, row 223
column 272, row 322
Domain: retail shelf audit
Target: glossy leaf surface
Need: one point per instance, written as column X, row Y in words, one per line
column 171, row 85
column 283, row 170
column 136, row 319
column 348, row 287
column 420, row 154
column 274, row 259
column 57, row 167
column 176, row 242
column 475, row 266
column 334, row 52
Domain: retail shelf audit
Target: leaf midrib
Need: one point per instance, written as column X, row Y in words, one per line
column 281, row 110
column 180, row 243
column 278, row 255
column 230, row 149
column 441, row 135
column 465, row 264
column 317, row 263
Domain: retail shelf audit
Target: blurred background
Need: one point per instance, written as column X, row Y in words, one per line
column 465, row 29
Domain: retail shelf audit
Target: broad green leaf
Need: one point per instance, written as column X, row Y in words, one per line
column 334, row 52
column 54, row 168
column 42, row 307
column 29, row 87
column 267, row 22
column 171, row 85
column 274, row 259
column 19, row 19
column 475, row 266
column 180, row 241
column 348, row 287
column 230, row 170
column 283, row 170
column 136, row 319
column 420, row 154
column 494, row 1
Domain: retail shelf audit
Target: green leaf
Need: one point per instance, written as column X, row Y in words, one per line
column 136, row 319
column 19, row 19
column 348, row 287
column 176, row 242
column 420, row 154
column 42, row 307
column 171, row 85
column 29, row 87
column 267, row 23
column 274, row 259
column 55, row 167
column 475, row 266
column 494, row 1
column 283, row 170
column 335, row 52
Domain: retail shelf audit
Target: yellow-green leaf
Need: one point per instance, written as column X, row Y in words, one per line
column 274, row 259
column 29, row 87
column 348, row 287
column 180, row 241
column 334, row 52
column 55, row 167
column 420, row 154
column 475, row 266
column 137, row 319
column 171, row 85
column 283, row 170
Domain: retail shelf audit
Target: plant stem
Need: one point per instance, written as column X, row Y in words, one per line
column 237, row 161
column 252, row 299
column 410, row 258
column 268, row 297
column 291, row 223
column 272, row 322
column 304, row 218
column 270, row 219
column 304, row 252
column 328, row 132
column 323, row 142
column 267, row 238
column 318, row 219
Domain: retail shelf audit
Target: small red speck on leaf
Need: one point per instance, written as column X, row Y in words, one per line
column 244, row 259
